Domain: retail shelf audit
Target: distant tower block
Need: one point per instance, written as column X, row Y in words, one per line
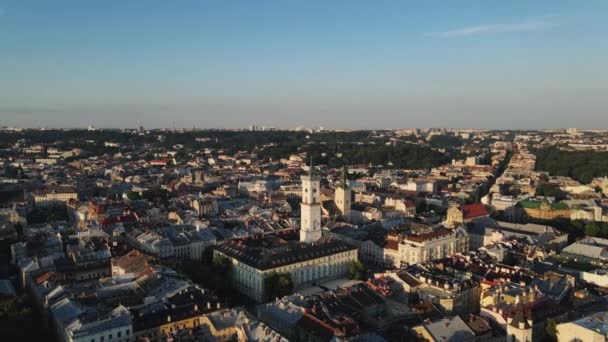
column 310, row 225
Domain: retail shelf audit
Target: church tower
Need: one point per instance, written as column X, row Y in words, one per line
column 310, row 216
column 454, row 215
column 343, row 195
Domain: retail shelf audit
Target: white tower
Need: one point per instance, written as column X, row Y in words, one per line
column 343, row 196
column 310, row 225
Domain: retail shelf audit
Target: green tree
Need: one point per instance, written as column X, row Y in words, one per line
column 592, row 229
column 278, row 285
column 356, row 270
column 603, row 230
column 549, row 190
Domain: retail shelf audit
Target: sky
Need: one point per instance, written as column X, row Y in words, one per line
column 285, row 63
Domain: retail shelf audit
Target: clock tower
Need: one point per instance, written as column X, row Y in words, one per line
column 310, row 208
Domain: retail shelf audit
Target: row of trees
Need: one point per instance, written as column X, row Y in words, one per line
column 576, row 228
column 595, row 229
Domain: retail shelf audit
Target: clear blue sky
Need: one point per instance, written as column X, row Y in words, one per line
column 343, row 64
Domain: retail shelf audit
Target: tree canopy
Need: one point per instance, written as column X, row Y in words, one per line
column 278, row 285
column 580, row 165
column 550, row 190
column 356, row 270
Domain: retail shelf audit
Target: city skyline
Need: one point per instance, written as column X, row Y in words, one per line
column 376, row 65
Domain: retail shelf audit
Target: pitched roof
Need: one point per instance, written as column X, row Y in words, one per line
column 450, row 329
column 471, row 211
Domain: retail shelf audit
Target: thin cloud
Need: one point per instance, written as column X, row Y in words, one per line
column 523, row 26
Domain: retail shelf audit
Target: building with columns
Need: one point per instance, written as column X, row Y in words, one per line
column 308, row 259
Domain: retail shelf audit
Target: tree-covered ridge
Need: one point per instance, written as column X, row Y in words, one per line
column 580, row 165
column 331, row 148
column 400, row 155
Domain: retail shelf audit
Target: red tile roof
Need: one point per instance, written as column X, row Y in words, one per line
column 392, row 244
column 471, row 211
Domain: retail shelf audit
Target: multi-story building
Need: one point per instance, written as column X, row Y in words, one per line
column 320, row 261
column 405, row 206
column 590, row 249
column 592, row 328
column 453, row 295
column 544, row 210
column 186, row 310
column 465, row 213
column 53, row 195
column 394, row 249
column 419, row 186
column 446, row 329
column 487, row 231
column 132, row 262
column 205, row 206
column 237, row 325
column 432, row 243
column 71, row 324
column 311, row 260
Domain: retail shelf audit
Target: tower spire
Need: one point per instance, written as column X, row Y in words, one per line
column 311, row 167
